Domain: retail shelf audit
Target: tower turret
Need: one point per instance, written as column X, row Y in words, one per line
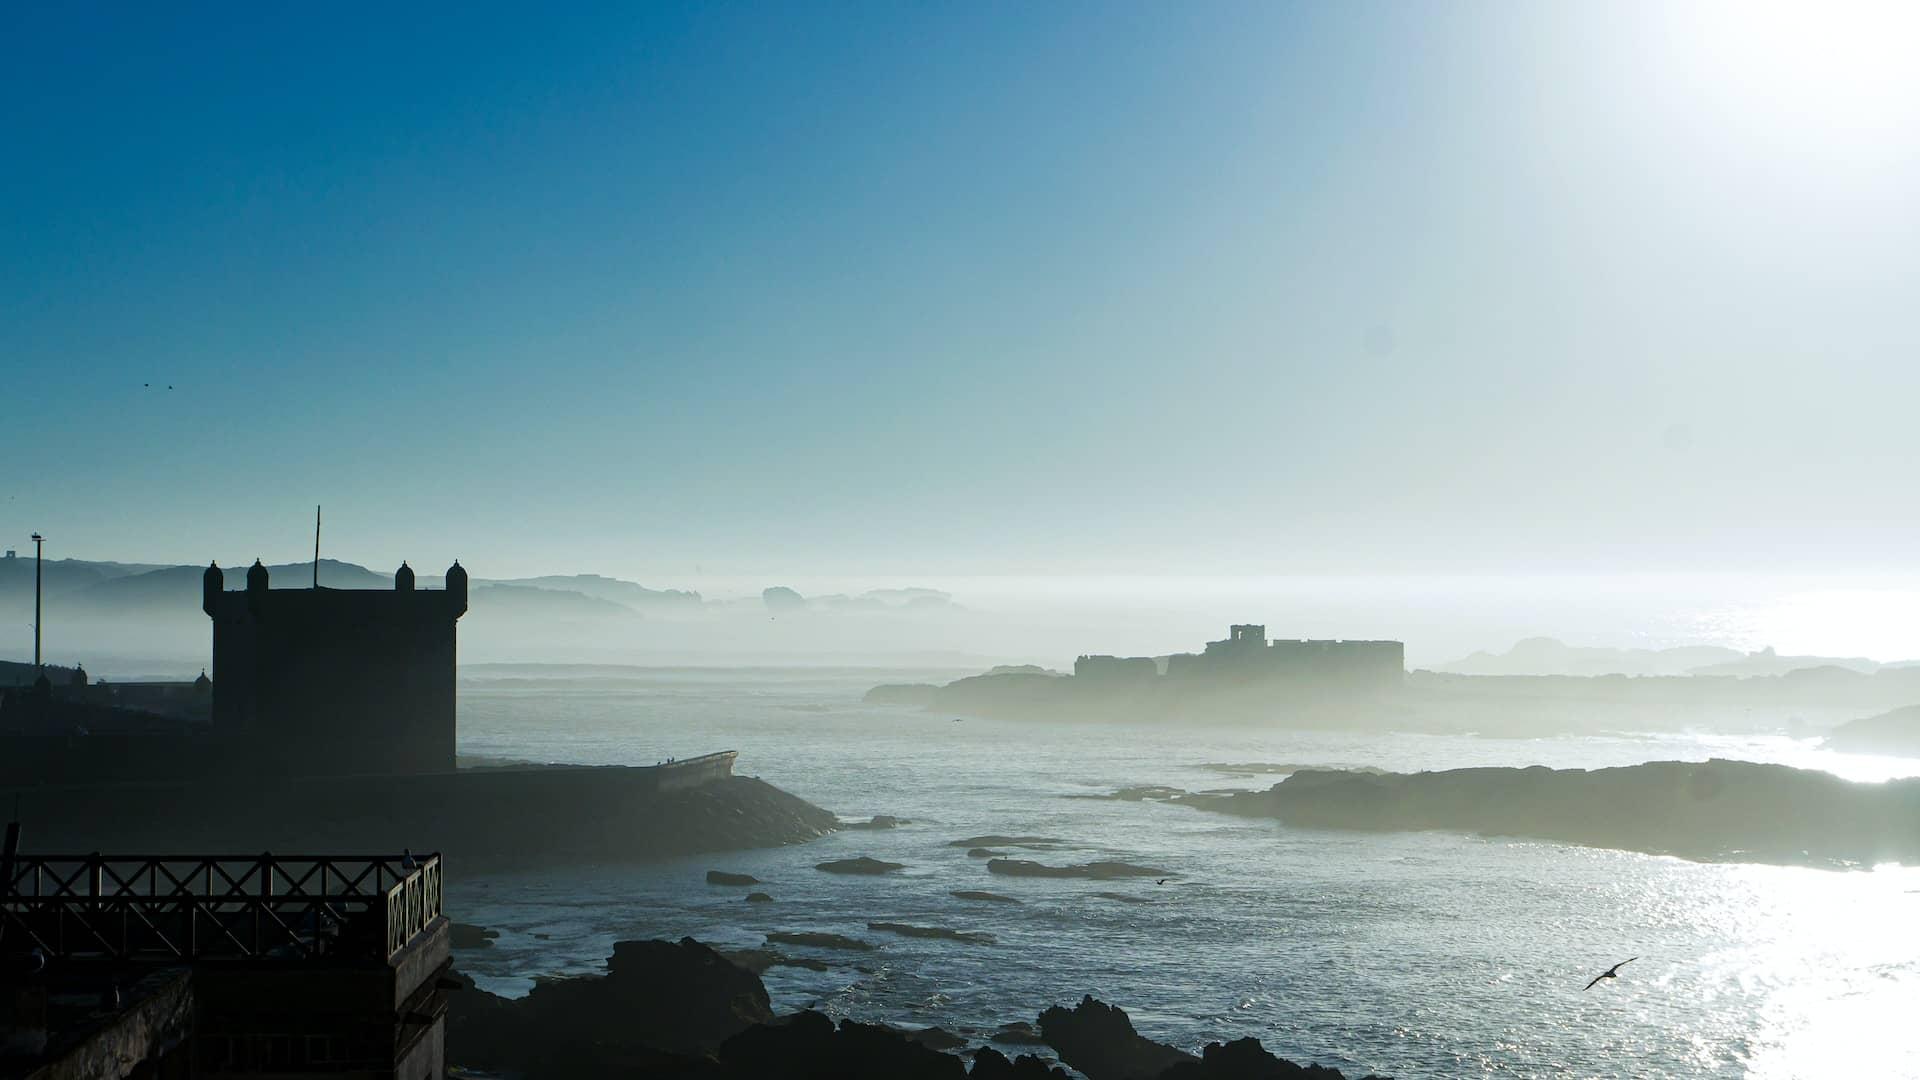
column 212, row 583
column 256, row 587
column 403, row 577
column 457, row 586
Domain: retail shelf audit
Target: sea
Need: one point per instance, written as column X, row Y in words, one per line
column 1411, row 954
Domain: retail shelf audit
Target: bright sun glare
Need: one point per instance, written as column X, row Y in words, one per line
column 1843, row 71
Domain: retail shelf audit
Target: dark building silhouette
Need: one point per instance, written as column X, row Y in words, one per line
column 328, row 681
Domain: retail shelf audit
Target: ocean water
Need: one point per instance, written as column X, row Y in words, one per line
column 1409, row 954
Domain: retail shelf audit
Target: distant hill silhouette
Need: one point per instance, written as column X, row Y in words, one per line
column 604, row 588
column 1549, row 656
column 525, row 600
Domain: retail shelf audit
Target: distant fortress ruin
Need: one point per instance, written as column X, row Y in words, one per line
column 1243, row 675
column 1246, row 656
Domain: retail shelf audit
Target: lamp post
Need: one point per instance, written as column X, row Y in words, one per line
column 38, row 542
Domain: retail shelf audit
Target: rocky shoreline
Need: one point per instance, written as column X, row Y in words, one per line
column 1711, row 811
column 683, row 1010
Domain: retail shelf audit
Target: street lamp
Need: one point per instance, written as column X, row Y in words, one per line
column 38, row 540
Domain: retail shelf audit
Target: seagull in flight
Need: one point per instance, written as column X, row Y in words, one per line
column 1611, row 973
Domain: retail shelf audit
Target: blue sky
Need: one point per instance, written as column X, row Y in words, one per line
column 891, row 289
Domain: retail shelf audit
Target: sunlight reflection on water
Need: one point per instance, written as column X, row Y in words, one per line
column 1413, row 954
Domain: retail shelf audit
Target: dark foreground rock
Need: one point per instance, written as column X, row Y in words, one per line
column 685, row 1012
column 722, row 877
column 988, row 897
column 658, row 1002
column 1097, row 871
column 759, row 898
column 861, row 865
column 1712, row 811
column 991, row 1064
column 1098, row 1039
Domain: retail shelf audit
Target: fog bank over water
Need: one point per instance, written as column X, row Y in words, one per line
column 969, row 623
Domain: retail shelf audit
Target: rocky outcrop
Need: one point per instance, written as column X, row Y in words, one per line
column 659, row 1003
column 818, row 940
column 1098, row 1039
column 1715, row 811
column 991, row 1064
column 686, row 1012
column 985, row 853
column 1246, row 1059
column 809, row 1045
column 878, row 821
column 722, row 877
column 919, row 694
column 467, row 936
column 1096, row 871
column 759, row 898
column 987, row 897
column 998, row 840
column 861, row 865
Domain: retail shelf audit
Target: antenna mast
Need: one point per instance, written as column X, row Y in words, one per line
column 316, row 545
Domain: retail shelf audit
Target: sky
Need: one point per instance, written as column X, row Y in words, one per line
column 906, row 290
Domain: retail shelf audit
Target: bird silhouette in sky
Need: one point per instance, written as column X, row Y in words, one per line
column 1611, row 973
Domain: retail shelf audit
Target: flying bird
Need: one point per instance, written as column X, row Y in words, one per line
column 1611, row 973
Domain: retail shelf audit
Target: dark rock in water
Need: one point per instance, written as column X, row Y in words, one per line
column 1098, row 1039
column 807, row 1045
column 879, row 821
column 1246, row 1059
column 984, row 853
column 659, row 1006
column 467, row 936
column 721, row 877
column 818, row 940
column 1146, row 793
column 997, row 840
column 976, row 894
column 901, row 694
column 908, row 930
column 1125, row 898
column 759, row 898
column 759, row 960
column 1018, row 1033
column 991, row 1064
column 1097, row 871
column 861, row 865
column 1717, row 810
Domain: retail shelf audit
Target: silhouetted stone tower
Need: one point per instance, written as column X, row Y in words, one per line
column 329, row 681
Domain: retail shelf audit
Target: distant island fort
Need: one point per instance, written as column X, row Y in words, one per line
column 1246, row 656
column 1241, row 674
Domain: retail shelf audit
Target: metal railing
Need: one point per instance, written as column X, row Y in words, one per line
column 184, row 907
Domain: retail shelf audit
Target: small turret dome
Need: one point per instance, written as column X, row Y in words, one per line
column 212, row 584
column 257, row 575
column 457, row 586
column 403, row 577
